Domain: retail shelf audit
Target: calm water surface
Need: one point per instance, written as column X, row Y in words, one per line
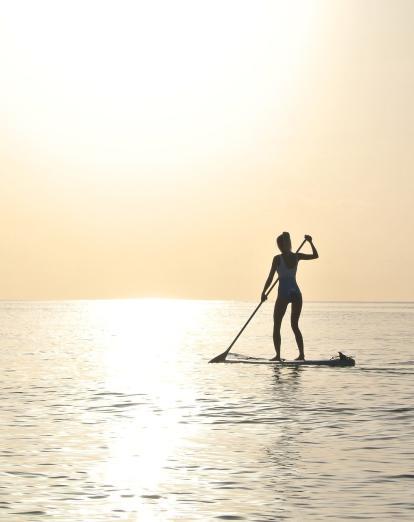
column 109, row 411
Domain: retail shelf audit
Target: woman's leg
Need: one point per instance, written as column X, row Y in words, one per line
column 280, row 309
column 294, row 321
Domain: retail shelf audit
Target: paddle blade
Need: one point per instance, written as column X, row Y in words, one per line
column 219, row 358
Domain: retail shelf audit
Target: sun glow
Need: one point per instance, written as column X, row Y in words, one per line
column 134, row 84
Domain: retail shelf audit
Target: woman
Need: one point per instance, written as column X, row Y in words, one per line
column 286, row 265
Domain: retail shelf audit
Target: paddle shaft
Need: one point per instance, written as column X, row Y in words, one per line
column 222, row 356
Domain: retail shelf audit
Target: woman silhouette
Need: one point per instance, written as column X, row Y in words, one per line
column 286, row 265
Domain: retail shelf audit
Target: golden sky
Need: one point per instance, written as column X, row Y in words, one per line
column 156, row 148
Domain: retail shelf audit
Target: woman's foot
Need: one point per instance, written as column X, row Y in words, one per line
column 300, row 357
column 276, row 358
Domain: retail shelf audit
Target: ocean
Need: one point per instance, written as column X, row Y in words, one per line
column 110, row 411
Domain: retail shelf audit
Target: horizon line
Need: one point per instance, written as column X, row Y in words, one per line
column 155, row 298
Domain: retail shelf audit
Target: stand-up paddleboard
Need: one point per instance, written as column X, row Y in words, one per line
column 341, row 360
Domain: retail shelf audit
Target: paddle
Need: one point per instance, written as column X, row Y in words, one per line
column 222, row 356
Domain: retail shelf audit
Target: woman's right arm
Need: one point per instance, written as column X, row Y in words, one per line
column 269, row 279
column 314, row 254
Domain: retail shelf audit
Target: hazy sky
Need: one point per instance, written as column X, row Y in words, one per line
column 157, row 148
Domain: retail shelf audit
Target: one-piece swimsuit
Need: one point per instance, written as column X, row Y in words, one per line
column 288, row 287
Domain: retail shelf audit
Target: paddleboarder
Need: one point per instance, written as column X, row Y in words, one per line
column 286, row 265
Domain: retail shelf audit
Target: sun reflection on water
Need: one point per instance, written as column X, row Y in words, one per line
column 142, row 341
column 139, row 335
